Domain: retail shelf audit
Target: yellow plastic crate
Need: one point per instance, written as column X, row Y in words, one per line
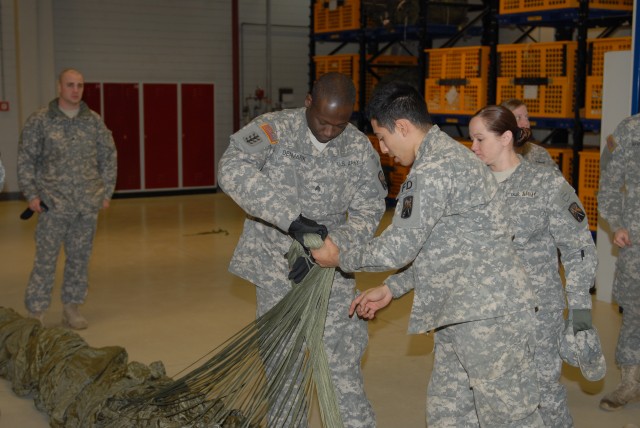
column 588, row 181
column 520, row 6
column 349, row 65
column 458, row 63
column 593, row 97
column 465, row 98
column 553, row 100
column 540, row 74
column 456, row 80
column 593, row 85
column 552, row 59
column 327, row 19
column 564, row 158
column 596, row 49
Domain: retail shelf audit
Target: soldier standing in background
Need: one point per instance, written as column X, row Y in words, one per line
column 67, row 173
column 546, row 215
column 619, row 205
column 309, row 170
column 530, row 151
column 450, row 237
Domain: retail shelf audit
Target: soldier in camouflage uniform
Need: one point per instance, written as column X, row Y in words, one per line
column 309, row 161
column 530, row 151
column 619, row 205
column 546, row 215
column 451, row 239
column 66, row 160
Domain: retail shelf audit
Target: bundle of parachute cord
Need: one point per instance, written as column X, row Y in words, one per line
column 264, row 375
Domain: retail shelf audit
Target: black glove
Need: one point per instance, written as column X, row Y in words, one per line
column 26, row 214
column 581, row 320
column 303, row 225
column 300, row 269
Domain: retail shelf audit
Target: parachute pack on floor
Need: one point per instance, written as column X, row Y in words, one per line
column 269, row 370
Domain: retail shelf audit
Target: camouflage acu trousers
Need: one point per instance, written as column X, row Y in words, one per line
column 345, row 341
column 54, row 230
column 626, row 290
column 483, row 375
column 554, row 408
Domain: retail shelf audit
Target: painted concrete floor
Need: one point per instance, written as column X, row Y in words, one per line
column 160, row 289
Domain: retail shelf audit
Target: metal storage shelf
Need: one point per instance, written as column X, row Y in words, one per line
column 396, row 33
column 539, row 122
column 595, row 17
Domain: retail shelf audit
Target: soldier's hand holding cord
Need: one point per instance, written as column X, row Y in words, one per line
column 328, row 255
column 370, row 301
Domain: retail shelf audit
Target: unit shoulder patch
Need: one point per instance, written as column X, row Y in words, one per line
column 568, row 203
column 408, row 209
column 254, row 138
column 577, row 212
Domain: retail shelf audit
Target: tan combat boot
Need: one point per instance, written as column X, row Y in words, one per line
column 71, row 317
column 627, row 391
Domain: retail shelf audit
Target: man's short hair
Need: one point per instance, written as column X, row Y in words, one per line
column 398, row 100
column 335, row 87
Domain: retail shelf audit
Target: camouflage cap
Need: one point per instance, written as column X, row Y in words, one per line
column 583, row 350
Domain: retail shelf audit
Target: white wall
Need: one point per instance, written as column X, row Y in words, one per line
column 151, row 41
column 285, row 64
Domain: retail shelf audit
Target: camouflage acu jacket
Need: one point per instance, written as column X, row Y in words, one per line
column 273, row 171
column 69, row 163
column 546, row 215
column 451, row 234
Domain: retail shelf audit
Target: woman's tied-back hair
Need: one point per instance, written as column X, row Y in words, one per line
column 499, row 119
column 398, row 100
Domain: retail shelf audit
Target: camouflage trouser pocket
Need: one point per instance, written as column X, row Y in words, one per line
column 512, row 397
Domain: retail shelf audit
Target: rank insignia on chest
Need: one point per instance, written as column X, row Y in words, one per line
column 407, row 207
column 577, row 212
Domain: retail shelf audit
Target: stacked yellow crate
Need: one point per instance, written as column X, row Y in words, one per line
column 588, row 184
column 456, row 81
column 344, row 17
column 540, row 74
column 349, row 65
column 596, row 50
column 521, row 6
column 563, row 156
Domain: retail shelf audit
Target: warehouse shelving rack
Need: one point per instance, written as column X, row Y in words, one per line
column 373, row 42
column 567, row 20
column 488, row 21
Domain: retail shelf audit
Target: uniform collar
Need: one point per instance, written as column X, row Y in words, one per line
column 54, row 110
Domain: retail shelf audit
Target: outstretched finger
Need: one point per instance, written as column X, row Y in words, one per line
column 355, row 304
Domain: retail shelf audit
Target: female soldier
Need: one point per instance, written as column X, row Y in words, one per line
column 546, row 215
column 529, row 150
